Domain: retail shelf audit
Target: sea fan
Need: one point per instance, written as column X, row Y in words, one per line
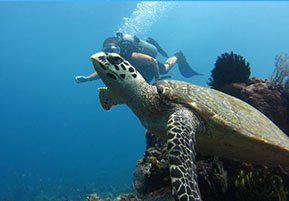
column 280, row 76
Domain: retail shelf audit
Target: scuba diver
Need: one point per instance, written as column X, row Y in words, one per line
column 141, row 54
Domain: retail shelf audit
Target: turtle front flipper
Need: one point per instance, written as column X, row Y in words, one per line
column 107, row 99
column 181, row 131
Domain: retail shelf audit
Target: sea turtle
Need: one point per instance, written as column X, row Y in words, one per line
column 190, row 118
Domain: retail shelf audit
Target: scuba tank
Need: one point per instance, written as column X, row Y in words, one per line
column 130, row 43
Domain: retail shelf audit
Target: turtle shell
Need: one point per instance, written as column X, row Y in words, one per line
column 231, row 128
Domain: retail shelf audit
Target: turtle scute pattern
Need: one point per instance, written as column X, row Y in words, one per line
column 182, row 126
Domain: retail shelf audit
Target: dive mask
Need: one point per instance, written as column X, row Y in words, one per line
column 111, row 49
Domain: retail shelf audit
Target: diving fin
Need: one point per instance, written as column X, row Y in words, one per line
column 160, row 50
column 184, row 67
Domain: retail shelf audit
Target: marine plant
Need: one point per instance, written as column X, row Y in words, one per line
column 229, row 68
column 259, row 186
column 280, row 76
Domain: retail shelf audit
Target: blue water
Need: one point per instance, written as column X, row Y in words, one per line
column 55, row 140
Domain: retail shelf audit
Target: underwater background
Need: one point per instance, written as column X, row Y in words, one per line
column 56, row 142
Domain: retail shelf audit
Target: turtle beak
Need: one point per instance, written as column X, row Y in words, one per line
column 97, row 61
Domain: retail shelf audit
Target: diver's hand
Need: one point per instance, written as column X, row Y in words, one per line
column 81, row 79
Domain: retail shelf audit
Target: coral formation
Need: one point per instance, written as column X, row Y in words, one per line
column 92, row 197
column 217, row 177
column 229, row 68
column 127, row 197
column 122, row 197
column 280, row 76
column 212, row 177
column 152, row 172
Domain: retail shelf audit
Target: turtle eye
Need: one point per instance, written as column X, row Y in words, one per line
column 102, row 58
column 114, row 60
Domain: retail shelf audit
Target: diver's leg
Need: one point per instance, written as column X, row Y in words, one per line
column 170, row 62
column 146, row 60
column 184, row 67
column 91, row 77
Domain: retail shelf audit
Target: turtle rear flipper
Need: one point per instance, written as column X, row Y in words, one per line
column 184, row 67
column 182, row 127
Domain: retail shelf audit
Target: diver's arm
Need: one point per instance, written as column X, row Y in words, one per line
column 91, row 77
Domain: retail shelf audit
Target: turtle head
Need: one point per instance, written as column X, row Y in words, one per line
column 117, row 74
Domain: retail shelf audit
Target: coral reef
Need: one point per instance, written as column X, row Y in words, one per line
column 152, row 172
column 127, row 197
column 280, row 76
column 261, row 185
column 229, row 68
column 218, row 178
column 92, row 197
column 212, row 177
column 271, row 100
